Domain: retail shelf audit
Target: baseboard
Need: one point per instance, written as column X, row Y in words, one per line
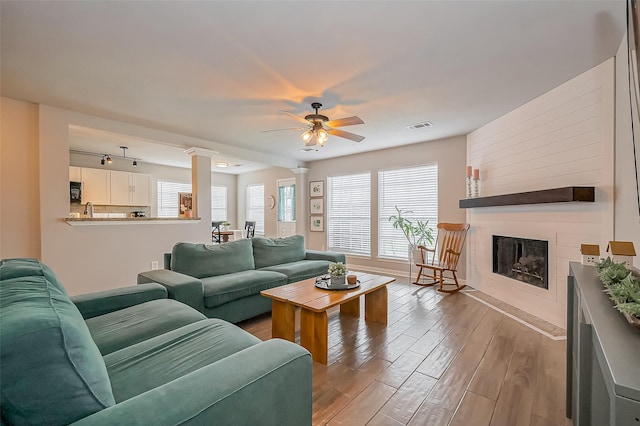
column 392, row 272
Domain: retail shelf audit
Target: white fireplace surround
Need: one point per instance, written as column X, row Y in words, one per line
column 563, row 138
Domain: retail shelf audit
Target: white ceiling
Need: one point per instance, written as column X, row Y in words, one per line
column 220, row 71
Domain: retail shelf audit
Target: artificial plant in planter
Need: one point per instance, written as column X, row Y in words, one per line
column 416, row 234
column 622, row 287
column 337, row 270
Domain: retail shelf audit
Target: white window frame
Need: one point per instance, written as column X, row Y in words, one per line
column 349, row 213
column 219, row 204
column 255, row 206
column 411, row 188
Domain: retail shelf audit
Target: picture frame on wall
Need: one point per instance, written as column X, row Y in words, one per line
column 316, row 188
column 316, row 206
column 316, row 223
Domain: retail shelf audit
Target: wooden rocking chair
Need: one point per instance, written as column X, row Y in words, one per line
column 449, row 243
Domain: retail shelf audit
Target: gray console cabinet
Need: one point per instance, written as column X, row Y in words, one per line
column 603, row 356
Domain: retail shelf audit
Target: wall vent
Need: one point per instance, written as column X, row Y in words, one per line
column 420, row 125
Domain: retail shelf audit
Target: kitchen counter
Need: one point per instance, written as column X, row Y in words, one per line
column 89, row 221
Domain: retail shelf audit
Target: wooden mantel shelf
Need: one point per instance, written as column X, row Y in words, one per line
column 556, row 195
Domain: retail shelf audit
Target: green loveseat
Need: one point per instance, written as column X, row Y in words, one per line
column 131, row 356
column 224, row 281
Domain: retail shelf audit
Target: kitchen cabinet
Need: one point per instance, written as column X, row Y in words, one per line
column 112, row 187
column 75, row 174
column 130, row 189
column 96, row 186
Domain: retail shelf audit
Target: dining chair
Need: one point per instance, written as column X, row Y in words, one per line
column 216, row 237
column 250, row 228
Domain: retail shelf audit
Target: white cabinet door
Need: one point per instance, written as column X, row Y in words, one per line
column 75, row 174
column 141, row 189
column 121, row 188
column 95, row 186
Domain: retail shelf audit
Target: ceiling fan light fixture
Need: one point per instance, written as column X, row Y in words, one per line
column 306, row 136
column 322, row 136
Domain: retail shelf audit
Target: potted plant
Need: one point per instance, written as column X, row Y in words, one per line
column 622, row 287
column 337, row 270
column 416, row 234
column 224, row 225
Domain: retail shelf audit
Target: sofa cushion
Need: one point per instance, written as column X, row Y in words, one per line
column 225, row 288
column 300, row 270
column 122, row 328
column 274, row 251
column 51, row 370
column 200, row 260
column 159, row 360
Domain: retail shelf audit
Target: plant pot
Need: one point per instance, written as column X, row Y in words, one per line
column 337, row 280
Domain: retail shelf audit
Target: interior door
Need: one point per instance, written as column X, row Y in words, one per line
column 286, row 203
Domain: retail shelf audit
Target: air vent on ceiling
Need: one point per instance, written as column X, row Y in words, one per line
column 420, row 125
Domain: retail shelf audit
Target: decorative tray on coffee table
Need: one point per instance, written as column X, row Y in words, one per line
column 324, row 282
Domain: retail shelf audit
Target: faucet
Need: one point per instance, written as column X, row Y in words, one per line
column 88, row 209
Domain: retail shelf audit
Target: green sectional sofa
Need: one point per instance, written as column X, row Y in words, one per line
column 224, row 281
column 130, row 356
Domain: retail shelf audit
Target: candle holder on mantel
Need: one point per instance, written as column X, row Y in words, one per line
column 469, row 193
column 476, row 188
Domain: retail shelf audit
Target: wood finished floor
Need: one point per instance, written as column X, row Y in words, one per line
column 441, row 360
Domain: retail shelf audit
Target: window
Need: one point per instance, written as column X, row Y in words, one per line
column 168, row 197
column 255, row 206
column 287, row 203
column 414, row 189
column 218, row 203
column 349, row 213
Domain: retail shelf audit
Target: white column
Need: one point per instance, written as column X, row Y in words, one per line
column 201, row 182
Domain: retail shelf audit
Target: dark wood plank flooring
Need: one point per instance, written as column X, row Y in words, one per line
column 442, row 359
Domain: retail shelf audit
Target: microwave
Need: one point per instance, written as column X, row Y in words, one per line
column 75, row 192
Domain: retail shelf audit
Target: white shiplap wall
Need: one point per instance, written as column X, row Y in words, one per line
column 562, row 138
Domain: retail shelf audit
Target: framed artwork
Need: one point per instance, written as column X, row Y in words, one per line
column 316, row 206
column 317, row 224
column 185, row 204
column 316, row 188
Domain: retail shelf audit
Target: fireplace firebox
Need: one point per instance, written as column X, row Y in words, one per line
column 522, row 259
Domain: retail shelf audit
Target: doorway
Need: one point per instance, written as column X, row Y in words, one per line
column 286, row 207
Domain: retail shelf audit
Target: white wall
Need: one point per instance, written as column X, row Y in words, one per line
column 19, row 180
column 562, row 138
column 627, row 219
column 450, row 154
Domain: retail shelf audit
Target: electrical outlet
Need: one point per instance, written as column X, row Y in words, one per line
column 154, row 265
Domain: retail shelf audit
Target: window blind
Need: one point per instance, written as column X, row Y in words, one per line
column 218, row 203
column 168, row 197
column 414, row 189
column 255, row 206
column 349, row 213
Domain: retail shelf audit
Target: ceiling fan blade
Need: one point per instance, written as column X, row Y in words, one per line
column 347, row 121
column 296, row 117
column 290, row 128
column 346, row 135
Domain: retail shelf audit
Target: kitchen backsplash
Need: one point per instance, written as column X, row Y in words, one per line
column 128, row 211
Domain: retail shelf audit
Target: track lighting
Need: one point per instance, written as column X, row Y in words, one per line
column 135, row 163
column 102, row 161
column 109, row 160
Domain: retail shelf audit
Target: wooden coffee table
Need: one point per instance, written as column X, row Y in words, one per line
column 315, row 302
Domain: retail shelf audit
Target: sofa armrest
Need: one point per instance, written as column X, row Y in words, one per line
column 265, row 384
column 181, row 287
column 331, row 256
column 94, row 304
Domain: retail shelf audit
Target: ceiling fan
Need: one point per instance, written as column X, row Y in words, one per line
column 319, row 127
